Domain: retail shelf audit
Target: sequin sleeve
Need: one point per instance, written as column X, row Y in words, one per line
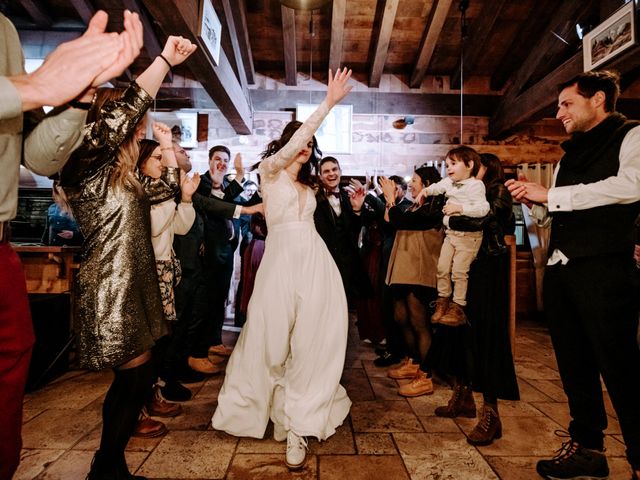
column 285, row 156
column 161, row 189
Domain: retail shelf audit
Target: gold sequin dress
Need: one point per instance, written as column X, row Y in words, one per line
column 118, row 310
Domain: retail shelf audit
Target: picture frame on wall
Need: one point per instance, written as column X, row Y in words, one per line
column 209, row 30
column 609, row 39
column 334, row 134
column 183, row 125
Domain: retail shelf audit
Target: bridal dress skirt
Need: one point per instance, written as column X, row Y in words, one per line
column 289, row 357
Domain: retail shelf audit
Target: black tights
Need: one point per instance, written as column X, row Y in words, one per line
column 411, row 315
column 120, row 411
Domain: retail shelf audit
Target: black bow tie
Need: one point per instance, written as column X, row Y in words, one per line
column 458, row 184
column 332, row 194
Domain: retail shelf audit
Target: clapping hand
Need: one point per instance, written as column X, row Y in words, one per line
column 237, row 164
column 188, row 185
column 526, row 192
column 162, row 133
column 357, row 194
column 388, row 190
column 177, row 50
column 338, row 88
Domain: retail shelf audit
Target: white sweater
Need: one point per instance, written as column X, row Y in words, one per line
column 166, row 220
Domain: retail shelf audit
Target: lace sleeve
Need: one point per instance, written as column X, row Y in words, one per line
column 284, row 157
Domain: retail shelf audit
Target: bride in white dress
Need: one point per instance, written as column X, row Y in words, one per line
column 289, row 358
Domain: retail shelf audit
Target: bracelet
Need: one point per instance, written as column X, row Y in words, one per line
column 80, row 105
column 184, row 201
column 166, row 61
column 162, row 149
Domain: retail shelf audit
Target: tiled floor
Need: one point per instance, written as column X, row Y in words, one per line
column 385, row 437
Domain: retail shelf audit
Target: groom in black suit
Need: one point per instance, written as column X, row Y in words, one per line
column 338, row 220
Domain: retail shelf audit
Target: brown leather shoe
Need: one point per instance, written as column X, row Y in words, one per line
column 217, row 359
column 220, row 350
column 420, row 385
column 159, row 407
column 442, row 304
column 203, row 365
column 147, row 427
column 461, row 404
column 407, row 369
column 489, row 427
column 454, row 317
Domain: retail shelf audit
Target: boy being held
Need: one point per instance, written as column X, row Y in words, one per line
column 465, row 196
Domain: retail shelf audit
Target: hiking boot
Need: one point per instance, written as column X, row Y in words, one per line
column 461, row 404
column 441, row 306
column 573, row 461
column 407, row 369
column 159, row 407
column 454, row 317
column 386, row 359
column 420, row 385
column 296, row 451
column 487, row 429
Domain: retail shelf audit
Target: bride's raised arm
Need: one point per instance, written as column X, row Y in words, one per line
column 336, row 91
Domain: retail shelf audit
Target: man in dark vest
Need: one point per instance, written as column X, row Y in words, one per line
column 590, row 295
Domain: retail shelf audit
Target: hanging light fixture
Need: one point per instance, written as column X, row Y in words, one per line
column 304, row 4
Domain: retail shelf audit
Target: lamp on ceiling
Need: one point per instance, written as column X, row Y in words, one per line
column 304, row 4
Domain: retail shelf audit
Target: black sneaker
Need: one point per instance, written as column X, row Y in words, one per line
column 175, row 392
column 574, row 462
column 386, row 359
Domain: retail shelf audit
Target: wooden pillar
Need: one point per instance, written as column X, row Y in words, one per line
column 510, row 240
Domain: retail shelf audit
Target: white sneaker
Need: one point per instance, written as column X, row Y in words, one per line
column 279, row 433
column 296, row 451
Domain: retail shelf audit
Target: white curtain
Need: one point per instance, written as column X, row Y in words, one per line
column 541, row 173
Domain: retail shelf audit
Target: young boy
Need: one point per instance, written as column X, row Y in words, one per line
column 465, row 196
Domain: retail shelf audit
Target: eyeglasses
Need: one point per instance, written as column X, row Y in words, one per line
column 157, row 157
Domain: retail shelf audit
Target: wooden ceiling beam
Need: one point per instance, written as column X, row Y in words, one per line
column 382, row 40
column 85, row 9
column 479, row 32
column 229, row 20
column 240, row 19
column 289, row 44
column 180, row 18
column 39, row 16
column 543, row 96
column 337, row 33
column 435, row 22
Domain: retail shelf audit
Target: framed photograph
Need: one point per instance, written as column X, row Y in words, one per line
column 210, row 30
column 184, row 126
column 609, row 39
column 334, row 134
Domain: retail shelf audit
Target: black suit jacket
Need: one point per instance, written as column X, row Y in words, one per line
column 220, row 231
column 344, row 250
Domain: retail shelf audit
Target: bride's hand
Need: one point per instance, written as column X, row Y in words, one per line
column 338, row 88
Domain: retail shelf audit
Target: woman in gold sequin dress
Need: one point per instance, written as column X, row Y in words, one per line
column 118, row 311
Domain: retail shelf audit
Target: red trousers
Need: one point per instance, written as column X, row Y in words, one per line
column 16, row 342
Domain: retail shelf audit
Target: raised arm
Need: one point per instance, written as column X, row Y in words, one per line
column 336, row 91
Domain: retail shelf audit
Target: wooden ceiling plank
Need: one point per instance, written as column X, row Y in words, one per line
column 180, row 18
column 152, row 45
column 289, row 44
column 337, row 33
column 85, row 9
column 381, row 49
column 479, row 33
column 235, row 43
column 435, row 22
column 529, row 105
column 238, row 8
column 39, row 16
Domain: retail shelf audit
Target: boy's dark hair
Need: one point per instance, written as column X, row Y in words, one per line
column 466, row 155
column 327, row 160
column 219, row 148
column 588, row 83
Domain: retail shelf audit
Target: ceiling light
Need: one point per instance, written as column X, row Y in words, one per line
column 304, row 4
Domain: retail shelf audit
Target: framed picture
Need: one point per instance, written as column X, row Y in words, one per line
column 210, row 30
column 183, row 125
column 609, row 39
column 334, row 134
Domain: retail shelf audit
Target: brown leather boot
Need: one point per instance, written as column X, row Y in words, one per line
column 488, row 428
column 147, row 427
column 454, row 317
column 461, row 404
column 442, row 304
column 407, row 369
column 159, row 407
column 420, row 385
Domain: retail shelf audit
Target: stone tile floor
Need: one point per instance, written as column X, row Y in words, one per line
column 385, row 437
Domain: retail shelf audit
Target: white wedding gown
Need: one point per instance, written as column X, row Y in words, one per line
column 289, row 357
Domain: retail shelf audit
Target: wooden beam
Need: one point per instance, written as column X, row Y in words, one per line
column 390, row 7
column 85, row 9
column 435, row 22
column 152, row 45
column 479, row 32
column 40, row 17
column 337, row 33
column 289, row 44
column 543, row 96
column 235, row 44
column 240, row 19
column 180, row 18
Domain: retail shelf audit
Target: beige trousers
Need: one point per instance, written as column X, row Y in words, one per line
column 458, row 251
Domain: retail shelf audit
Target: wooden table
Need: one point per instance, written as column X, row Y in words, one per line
column 48, row 269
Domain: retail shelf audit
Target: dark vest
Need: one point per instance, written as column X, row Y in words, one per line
column 589, row 157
